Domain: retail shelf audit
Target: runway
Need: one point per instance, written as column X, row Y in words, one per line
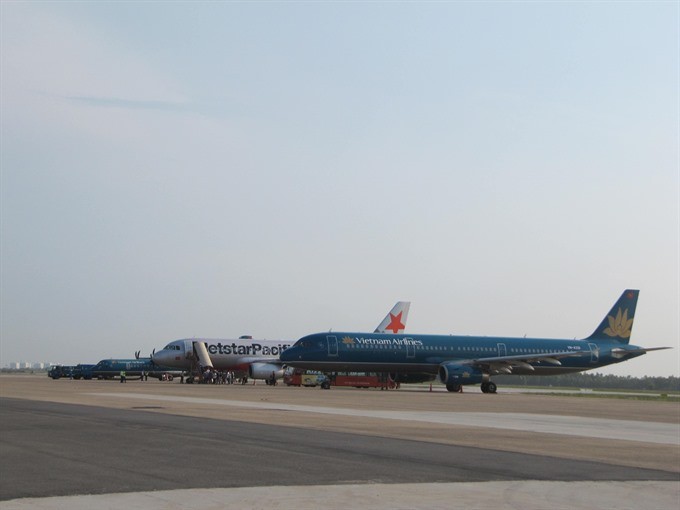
column 170, row 446
column 514, row 495
column 627, row 430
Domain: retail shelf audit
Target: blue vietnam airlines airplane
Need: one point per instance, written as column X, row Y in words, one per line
column 461, row 360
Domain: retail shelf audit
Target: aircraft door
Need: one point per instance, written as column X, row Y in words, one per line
column 594, row 353
column 332, row 345
column 188, row 349
column 502, row 351
column 410, row 348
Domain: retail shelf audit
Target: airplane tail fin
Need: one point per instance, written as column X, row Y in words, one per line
column 617, row 325
column 395, row 321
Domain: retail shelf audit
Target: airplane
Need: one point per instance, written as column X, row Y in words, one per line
column 111, row 368
column 257, row 358
column 464, row 360
column 79, row 371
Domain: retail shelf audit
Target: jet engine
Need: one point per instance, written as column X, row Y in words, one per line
column 454, row 375
column 264, row 370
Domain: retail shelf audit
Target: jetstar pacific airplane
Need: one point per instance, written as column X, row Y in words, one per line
column 460, row 360
column 257, row 358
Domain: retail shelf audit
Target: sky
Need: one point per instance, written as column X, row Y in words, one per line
column 212, row 169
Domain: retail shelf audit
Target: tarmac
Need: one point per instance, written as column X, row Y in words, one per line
column 83, row 444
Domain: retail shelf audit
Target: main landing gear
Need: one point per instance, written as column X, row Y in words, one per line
column 489, row 387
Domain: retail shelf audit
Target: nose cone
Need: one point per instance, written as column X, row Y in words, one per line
column 288, row 354
column 165, row 358
column 156, row 358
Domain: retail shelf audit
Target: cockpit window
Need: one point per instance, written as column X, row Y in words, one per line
column 308, row 343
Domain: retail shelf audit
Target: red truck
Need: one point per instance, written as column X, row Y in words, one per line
column 311, row 378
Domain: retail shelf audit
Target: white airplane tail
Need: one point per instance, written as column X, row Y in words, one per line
column 395, row 321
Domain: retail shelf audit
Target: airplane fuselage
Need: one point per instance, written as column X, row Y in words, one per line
column 425, row 353
column 225, row 354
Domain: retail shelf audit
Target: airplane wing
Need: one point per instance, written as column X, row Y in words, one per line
column 505, row 364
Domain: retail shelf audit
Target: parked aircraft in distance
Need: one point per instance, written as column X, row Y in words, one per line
column 80, row 371
column 111, row 368
column 257, row 358
column 461, row 360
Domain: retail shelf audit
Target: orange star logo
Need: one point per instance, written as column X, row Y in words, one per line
column 395, row 324
column 348, row 340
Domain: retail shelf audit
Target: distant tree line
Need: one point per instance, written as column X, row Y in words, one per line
column 593, row 381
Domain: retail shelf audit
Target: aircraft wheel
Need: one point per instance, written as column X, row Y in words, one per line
column 485, row 387
column 455, row 388
column 491, row 388
column 326, row 385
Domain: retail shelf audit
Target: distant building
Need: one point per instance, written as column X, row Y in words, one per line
column 30, row 365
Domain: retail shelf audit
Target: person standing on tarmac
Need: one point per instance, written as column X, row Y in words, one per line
column 122, row 376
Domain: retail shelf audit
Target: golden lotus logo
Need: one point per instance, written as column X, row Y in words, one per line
column 619, row 325
column 348, row 340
